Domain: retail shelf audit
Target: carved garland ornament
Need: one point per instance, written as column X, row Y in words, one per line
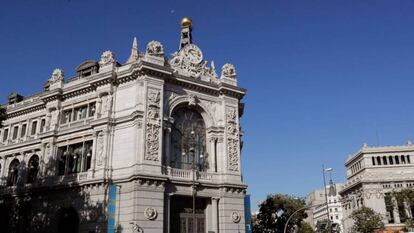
column 153, row 126
column 232, row 139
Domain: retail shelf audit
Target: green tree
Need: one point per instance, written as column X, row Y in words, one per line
column 366, row 220
column 305, row 227
column 274, row 212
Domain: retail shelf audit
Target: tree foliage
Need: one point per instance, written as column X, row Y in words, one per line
column 405, row 195
column 305, row 227
column 274, row 212
column 366, row 220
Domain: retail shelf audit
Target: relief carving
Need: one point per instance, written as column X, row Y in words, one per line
column 153, row 126
column 100, row 148
column 232, row 139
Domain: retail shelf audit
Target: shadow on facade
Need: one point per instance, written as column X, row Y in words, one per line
column 49, row 204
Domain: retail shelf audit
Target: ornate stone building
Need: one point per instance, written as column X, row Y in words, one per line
column 318, row 213
column 373, row 174
column 151, row 145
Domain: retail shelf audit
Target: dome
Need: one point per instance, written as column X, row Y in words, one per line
column 185, row 22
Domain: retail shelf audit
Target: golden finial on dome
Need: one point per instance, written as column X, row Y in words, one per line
column 186, row 22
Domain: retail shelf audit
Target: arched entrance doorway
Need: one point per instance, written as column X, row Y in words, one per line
column 68, row 221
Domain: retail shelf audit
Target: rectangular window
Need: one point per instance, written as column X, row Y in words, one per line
column 34, row 127
column 23, row 131
column 373, row 161
column 408, row 159
column 92, row 109
column 5, row 135
column 402, row 159
column 80, row 113
column 74, row 158
column 15, row 132
column 42, row 125
column 397, row 160
column 66, row 116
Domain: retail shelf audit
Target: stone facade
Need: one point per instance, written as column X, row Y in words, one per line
column 373, row 173
column 116, row 125
column 319, row 211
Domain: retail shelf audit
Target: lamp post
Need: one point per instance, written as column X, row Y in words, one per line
column 325, row 170
column 303, row 208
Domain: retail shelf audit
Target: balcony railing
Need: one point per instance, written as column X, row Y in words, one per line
column 176, row 173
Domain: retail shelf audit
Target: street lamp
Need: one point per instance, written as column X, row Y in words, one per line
column 303, row 208
column 326, row 170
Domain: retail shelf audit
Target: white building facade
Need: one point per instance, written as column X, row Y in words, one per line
column 132, row 147
column 373, row 174
column 319, row 211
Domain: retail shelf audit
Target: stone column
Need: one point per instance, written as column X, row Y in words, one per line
column 94, row 147
column 214, row 211
column 167, row 146
column 213, row 156
column 98, row 108
column 395, row 210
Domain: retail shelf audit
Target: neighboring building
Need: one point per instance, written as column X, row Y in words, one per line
column 373, row 173
column 319, row 213
column 124, row 147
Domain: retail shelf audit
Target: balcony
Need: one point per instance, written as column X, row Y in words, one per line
column 184, row 174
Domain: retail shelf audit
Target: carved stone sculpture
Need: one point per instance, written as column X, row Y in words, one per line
column 188, row 61
column 107, row 58
column 57, row 76
column 228, row 71
column 155, row 48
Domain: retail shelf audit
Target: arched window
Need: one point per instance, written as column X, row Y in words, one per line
column 33, row 169
column 188, row 140
column 13, row 173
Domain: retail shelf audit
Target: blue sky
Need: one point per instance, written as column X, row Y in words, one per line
column 323, row 76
